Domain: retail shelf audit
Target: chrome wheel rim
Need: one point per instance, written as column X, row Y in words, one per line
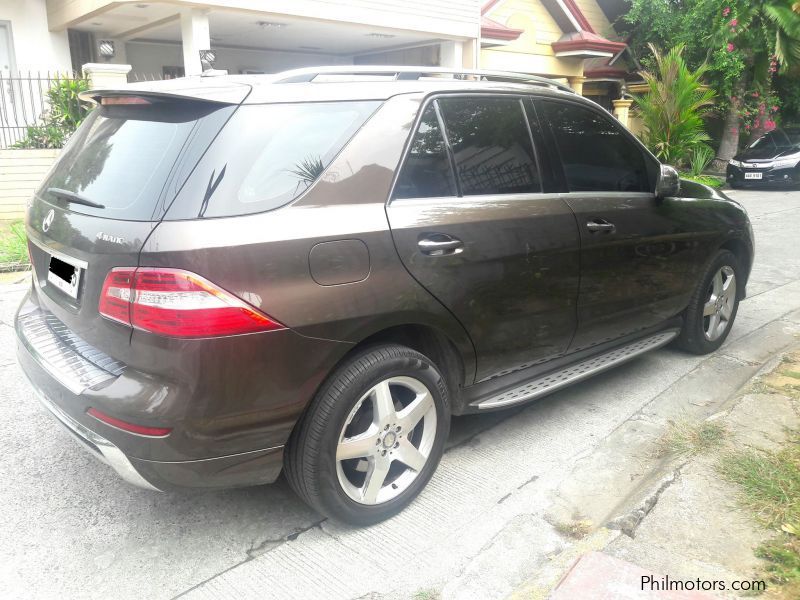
column 386, row 440
column 720, row 302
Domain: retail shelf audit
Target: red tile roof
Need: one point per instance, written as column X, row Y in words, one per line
column 495, row 30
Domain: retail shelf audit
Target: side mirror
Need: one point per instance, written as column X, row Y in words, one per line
column 669, row 182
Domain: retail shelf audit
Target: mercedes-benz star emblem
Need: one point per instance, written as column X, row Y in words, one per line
column 48, row 220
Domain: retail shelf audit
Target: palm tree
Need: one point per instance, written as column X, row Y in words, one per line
column 769, row 31
column 673, row 108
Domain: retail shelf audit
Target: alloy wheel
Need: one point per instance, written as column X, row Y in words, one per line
column 720, row 302
column 386, row 440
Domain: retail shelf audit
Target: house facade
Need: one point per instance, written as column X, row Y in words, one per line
column 163, row 38
column 573, row 40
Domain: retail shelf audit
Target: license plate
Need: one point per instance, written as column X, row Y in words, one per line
column 64, row 275
column 753, row 175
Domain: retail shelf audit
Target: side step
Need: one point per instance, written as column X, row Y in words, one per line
column 555, row 380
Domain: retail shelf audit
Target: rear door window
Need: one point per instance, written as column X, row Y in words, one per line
column 123, row 156
column 491, row 144
column 427, row 171
column 596, row 154
column 267, row 155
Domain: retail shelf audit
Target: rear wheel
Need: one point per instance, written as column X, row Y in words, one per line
column 372, row 437
column 713, row 307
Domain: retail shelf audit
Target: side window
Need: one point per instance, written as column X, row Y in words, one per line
column 595, row 153
column 491, row 144
column 427, row 172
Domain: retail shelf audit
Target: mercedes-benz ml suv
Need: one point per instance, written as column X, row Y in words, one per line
column 311, row 272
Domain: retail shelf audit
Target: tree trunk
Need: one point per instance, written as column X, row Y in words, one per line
column 729, row 144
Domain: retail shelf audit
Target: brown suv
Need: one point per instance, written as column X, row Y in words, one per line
column 312, row 271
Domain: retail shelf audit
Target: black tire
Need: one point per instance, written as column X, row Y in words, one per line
column 693, row 335
column 310, row 457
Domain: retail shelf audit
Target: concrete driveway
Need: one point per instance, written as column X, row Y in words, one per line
column 72, row 528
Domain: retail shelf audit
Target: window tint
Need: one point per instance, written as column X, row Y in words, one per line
column 491, row 144
column 123, row 156
column 596, row 155
column 765, row 141
column 427, row 172
column 267, row 155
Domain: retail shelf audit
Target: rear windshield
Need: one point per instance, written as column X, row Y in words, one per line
column 127, row 158
column 267, row 155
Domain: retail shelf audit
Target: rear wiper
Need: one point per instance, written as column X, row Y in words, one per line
column 73, row 197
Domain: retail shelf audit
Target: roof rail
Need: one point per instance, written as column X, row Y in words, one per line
column 413, row 73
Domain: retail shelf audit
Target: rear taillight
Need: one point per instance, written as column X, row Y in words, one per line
column 177, row 303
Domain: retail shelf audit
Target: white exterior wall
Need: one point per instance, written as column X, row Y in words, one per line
column 148, row 58
column 458, row 18
column 21, row 171
column 35, row 47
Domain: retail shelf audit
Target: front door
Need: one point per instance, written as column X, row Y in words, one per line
column 636, row 250
column 471, row 224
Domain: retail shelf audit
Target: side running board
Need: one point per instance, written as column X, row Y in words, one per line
column 555, row 380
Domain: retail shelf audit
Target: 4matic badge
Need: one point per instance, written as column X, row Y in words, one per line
column 109, row 238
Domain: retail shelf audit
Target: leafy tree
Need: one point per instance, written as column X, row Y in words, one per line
column 744, row 42
column 673, row 108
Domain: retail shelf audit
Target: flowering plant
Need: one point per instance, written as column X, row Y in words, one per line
column 759, row 110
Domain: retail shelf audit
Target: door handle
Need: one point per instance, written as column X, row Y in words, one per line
column 600, row 225
column 440, row 244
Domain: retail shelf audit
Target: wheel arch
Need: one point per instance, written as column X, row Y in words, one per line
column 742, row 253
column 426, row 340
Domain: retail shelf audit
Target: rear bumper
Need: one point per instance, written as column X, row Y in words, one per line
column 95, row 444
column 67, row 376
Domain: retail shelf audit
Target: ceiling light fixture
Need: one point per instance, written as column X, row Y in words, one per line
column 382, row 36
column 270, row 24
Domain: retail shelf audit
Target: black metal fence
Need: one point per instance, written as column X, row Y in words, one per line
column 24, row 102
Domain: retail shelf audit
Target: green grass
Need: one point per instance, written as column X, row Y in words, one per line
column 577, row 529
column 429, row 594
column 708, row 180
column 13, row 245
column 686, row 437
column 783, row 564
column 769, row 484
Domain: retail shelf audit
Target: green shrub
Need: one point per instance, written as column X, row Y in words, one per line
column 13, row 246
column 673, row 108
column 65, row 112
column 700, row 158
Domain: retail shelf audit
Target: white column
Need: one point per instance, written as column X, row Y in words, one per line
column 576, row 83
column 106, row 76
column 451, row 55
column 622, row 110
column 195, row 37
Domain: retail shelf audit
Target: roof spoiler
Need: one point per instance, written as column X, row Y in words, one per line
column 189, row 89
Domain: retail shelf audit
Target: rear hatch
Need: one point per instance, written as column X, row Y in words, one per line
column 110, row 187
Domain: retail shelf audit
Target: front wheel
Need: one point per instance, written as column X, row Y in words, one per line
column 372, row 437
column 713, row 307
